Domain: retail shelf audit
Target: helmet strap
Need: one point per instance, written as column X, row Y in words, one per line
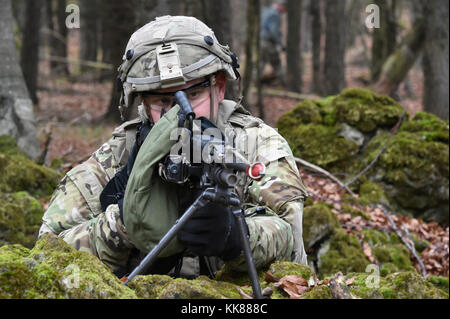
column 212, row 80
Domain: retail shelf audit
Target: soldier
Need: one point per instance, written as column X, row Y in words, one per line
column 272, row 39
column 115, row 206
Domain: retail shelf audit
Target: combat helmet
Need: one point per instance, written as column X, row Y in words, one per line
column 168, row 52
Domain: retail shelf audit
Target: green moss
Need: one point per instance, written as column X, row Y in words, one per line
column 344, row 255
column 410, row 285
column 284, row 268
column 374, row 237
column 390, row 254
column 399, row 285
column 439, row 282
column 413, row 173
column 20, row 218
column 320, row 145
column 372, row 193
column 150, row 286
column 429, row 126
column 9, row 146
column 52, row 269
column 319, row 222
column 306, row 112
column 348, row 209
column 366, row 110
column 420, row 244
column 200, row 288
column 319, row 292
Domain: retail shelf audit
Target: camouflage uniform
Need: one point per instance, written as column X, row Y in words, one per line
column 191, row 51
column 74, row 212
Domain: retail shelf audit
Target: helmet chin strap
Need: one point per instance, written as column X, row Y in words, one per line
column 212, row 80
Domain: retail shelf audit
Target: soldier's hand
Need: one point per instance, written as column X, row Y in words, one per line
column 212, row 232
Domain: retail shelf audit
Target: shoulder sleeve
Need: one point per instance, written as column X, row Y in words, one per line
column 76, row 199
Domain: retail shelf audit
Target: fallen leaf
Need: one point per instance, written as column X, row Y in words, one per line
column 368, row 252
column 350, row 281
column 270, row 277
column 243, row 294
column 293, row 285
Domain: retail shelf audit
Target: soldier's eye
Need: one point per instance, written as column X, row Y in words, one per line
column 193, row 95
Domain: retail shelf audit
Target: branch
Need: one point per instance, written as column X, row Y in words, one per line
column 324, row 172
column 407, row 243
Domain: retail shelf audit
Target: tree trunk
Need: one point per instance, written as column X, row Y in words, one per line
column 397, row 66
column 252, row 45
column 16, row 109
column 294, row 58
column 59, row 38
column 316, row 35
column 217, row 15
column 384, row 38
column 435, row 59
column 89, row 21
column 119, row 21
column 29, row 57
column 334, row 64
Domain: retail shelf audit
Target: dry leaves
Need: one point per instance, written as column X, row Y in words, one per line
column 435, row 257
column 294, row 285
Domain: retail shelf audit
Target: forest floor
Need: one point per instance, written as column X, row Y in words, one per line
column 70, row 112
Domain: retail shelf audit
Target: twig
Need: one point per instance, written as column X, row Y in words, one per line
column 408, row 244
column 324, row 172
column 91, row 64
column 286, row 94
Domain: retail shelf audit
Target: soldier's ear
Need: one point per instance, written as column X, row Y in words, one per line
column 221, row 82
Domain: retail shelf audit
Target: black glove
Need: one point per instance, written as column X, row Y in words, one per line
column 212, row 231
column 114, row 191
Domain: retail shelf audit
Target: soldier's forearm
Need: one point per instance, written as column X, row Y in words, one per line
column 271, row 239
column 103, row 236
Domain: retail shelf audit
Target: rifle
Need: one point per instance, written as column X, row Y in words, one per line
column 215, row 180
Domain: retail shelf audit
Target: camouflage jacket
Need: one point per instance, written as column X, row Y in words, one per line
column 74, row 212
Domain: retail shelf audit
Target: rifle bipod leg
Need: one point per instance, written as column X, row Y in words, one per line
column 251, row 269
column 201, row 201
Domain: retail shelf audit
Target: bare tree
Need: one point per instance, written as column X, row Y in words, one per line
column 89, row 30
column 58, row 42
column 385, row 37
column 252, row 46
column 16, row 109
column 294, row 58
column 217, row 15
column 29, row 57
column 397, row 65
column 316, row 37
column 334, row 64
column 435, row 58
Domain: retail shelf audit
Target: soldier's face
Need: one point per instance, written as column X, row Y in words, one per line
column 198, row 95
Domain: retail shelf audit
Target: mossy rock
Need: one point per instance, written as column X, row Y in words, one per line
column 20, row 219
column 19, row 173
column 389, row 253
column 366, row 110
column 344, row 255
column 319, row 223
column 318, row 292
column 399, row 285
column 53, row 269
column 429, row 126
column 439, row 282
column 320, row 145
column 412, row 171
